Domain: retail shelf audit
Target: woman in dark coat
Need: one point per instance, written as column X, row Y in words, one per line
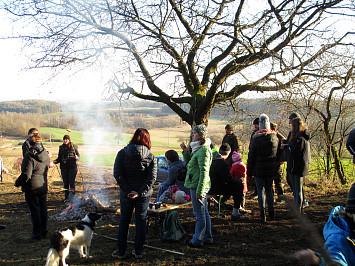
column 33, row 180
column 297, row 158
column 67, row 156
column 135, row 171
column 262, row 164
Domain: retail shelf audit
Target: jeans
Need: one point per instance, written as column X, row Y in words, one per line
column 140, row 205
column 37, row 205
column 264, row 186
column 203, row 231
column 297, row 183
column 69, row 176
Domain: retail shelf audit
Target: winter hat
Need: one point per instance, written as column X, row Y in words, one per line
column 256, row 121
column 180, row 196
column 225, row 149
column 66, row 137
column 294, row 115
column 350, row 205
column 201, row 130
column 229, row 127
column 264, row 122
column 236, row 157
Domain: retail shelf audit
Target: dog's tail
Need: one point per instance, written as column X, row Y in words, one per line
column 52, row 258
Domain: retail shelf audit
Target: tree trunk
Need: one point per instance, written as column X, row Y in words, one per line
column 338, row 165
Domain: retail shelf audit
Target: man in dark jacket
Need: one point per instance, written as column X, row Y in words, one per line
column 262, row 164
column 350, row 144
column 233, row 142
column 33, row 180
column 222, row 183
column 251, row 179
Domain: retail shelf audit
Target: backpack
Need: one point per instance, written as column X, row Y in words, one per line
column 181, row 173
column 172, row 228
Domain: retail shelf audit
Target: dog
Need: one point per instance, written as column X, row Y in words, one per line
column 78, row 236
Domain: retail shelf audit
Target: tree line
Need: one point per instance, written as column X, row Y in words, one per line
column 30, row 106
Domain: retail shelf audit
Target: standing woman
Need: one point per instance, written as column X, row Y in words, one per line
column 135, row 171
column 33, row 180
column 67, row 156
column 297, row 159
column 198, row 181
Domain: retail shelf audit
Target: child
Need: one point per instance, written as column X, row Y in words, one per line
column 173, row 195
column 239, row 170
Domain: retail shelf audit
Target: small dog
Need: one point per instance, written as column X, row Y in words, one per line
column 78, row 236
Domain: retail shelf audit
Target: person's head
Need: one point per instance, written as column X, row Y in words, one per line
column 256, row 123
column 292, row 116
column 141, row 137
column 264, row 122
column 35, row 138
column 66, row 139
column 229, row 129
column 179, row 196
column 297, row 126
column 199, row 133
column 224, row 150
column 32, row 130
column 236, row 158
column 273, row 126
column 171, row 156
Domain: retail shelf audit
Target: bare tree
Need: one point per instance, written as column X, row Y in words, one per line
column 188, row 54
column 326, row 99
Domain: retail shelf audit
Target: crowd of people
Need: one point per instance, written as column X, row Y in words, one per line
column 204, row 170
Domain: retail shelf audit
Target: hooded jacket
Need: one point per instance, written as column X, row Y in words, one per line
column 262, row 154
column 298, row 154
column 173, row 174
column 34, row 170
column 339, row 239
column 135, row 169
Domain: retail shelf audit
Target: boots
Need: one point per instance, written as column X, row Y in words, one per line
column 271, row 214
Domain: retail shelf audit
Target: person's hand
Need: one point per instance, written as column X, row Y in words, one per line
column 159, row 185
column 132, row 195
column 76, row 157
column 307, row 256
column 183, row 146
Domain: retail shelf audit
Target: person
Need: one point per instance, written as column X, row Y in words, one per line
column 280, row 163
column 173, row 195
column 26, row 145
column 3, row 170
column 33, row 180
column 307, row 136
column 239, row 171
column 297, row 159
column 251, row 179
column 350, row 144
column 175, row 169
column 233, row 142
column 68, row 155
column 262, row 165
column 222, row 182
column 135, row 171
column 198, row 181
column 339, row 235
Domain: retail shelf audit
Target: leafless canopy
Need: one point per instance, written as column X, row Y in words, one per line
column 187, row 54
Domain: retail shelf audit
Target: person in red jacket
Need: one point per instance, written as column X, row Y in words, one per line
column 239, row 171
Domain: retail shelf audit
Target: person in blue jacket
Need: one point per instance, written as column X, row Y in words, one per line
column 339, row 235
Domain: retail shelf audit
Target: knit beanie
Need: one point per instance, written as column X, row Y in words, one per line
column 264, row 122
column 229, row 127
column 180, row 196
column 225, row 149
column 201, row 130
column 294, row 115
column 350, row 205
column 256, row 121
column 236, row 157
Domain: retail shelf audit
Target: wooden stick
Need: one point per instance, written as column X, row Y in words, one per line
column 147, row 246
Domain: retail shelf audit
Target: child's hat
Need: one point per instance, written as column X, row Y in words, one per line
column 180, row 196
column 236, row 157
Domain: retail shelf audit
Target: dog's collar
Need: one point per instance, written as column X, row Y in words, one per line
column 91, row 225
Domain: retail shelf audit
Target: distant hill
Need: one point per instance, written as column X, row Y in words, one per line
column 30, row 106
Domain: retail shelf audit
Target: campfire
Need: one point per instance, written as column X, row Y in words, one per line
column 78, row 207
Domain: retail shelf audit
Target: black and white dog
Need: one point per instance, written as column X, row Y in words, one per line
column 78, row 236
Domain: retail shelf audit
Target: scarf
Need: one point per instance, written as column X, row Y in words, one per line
column 195, row 145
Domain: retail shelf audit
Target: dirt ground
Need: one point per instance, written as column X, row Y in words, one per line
column 235, row 243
